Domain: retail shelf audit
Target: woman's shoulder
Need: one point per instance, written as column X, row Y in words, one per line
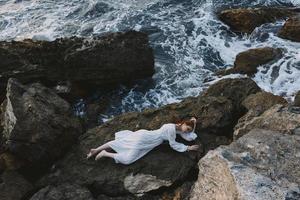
column 168, row 126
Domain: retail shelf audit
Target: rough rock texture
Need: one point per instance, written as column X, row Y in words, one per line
column 84, row 63
column 13, row 186
column 291, row 29
column 262, row 164
column 256, row 104
column 162, row 167
column 297, row 99
column 248, row 61
column 235, row 90
column 39, row 126
column 278, row 118
column 63, row 192
column 245, row 20
column 261, row 101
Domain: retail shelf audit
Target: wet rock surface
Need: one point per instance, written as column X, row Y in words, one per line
column 248, row 61
column 245, row 20
column 291, row 29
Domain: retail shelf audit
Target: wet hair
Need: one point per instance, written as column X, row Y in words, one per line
column 184, row 121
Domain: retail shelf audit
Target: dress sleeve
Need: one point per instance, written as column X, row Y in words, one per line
column 188, row 136
column 175, row 145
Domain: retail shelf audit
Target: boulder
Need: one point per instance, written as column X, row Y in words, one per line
column 245, row 20
column 162, row 167
column 291, row 29
column 14, row 186
column 262, row 164
column 38, row 125
column 279, row 117
column 262, row 101
column 235, row 90
column 248, row 61
column 256, row 104
column 297, row 99
column 80, row 63
column 63, row 192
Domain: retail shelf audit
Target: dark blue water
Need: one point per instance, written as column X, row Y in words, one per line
column 189, row 42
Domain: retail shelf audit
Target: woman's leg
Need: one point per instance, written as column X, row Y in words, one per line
column 104, row 153
column 98, row 149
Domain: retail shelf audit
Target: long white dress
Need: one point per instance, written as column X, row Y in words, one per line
column 132, row 145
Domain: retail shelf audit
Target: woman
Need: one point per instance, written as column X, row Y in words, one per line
column 132, row 145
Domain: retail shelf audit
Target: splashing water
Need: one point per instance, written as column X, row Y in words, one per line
column 189, row 42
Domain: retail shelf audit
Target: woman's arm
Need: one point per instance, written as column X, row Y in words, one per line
column 175, row 145
column 195, row 123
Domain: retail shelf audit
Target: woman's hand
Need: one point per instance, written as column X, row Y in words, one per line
column 193, row 147
column 193, row 119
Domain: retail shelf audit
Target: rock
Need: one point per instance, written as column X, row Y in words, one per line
column 256, row 104
column 13, row 186
column 262, row 101
column 39, row 126
column 63, row 192
column 245, row 20
column 291, row 29
column 262, row 164
column 297, row 99
column 9, row 162
column 162, row 167
column 278, row 118
column 248, row 61
column 99, row 62
column 235, row 90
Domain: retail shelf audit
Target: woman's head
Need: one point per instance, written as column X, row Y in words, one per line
column 185, row 126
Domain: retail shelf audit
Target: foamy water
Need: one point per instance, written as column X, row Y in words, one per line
column 189, row 42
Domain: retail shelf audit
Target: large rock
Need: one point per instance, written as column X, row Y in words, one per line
column 256, row 104
column 260, row 165
column 291, row 29
column 39, row 126
column 245, row 20
column 162, row 167
column 99, row 62
column 235, row 90
column 297, row 99
column 14, row 186
column 248, row 61
column 277, row 118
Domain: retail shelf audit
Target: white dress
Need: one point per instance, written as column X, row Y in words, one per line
column 132, row 145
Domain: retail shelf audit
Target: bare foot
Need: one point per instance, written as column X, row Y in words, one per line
column 91, row 153
column 100, row 155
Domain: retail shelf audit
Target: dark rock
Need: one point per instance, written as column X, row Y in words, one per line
column 235, row 90
column 162, row 167
column 13, row 186
column 63, row 192
column 9, row 162
column 262, row 164
column 245, row 20
column 248, row 61
column 291, row 29
column 39, row 126
column 297, row 99
column 99, row 62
